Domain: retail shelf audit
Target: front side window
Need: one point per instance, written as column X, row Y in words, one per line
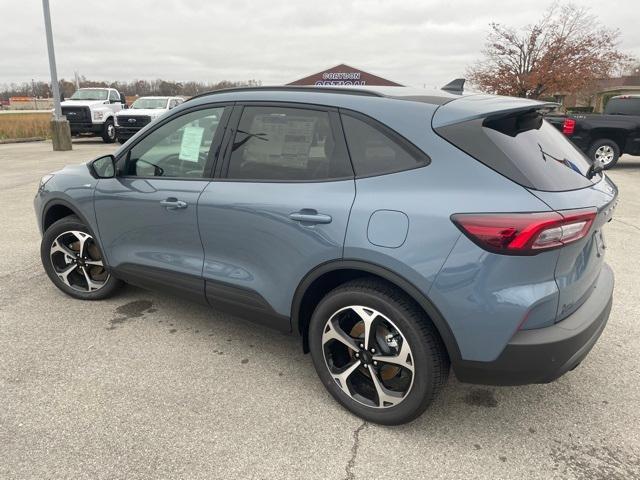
column 113, row 96
column 376, row 150
column 287, row 144
column 178, row 149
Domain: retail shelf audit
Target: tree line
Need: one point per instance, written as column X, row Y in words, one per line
column 134, row 87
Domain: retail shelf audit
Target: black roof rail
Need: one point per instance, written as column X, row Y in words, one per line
column 348, row 91
column 454, row 86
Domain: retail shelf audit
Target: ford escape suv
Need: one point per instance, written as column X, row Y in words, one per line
column 400, row 233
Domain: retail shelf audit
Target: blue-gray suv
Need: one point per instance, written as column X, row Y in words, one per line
column 400, row 233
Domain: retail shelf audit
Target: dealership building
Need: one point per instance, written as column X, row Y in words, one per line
column 345, row 75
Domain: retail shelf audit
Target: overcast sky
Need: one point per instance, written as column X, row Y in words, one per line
column 414, row 42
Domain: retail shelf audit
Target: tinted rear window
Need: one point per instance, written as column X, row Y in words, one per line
column 623, row 106
column 524, row 148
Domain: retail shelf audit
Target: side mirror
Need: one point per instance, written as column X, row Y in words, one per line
column 103, row 167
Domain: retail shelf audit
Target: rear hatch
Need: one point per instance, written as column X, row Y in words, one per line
column 579, row 263
column 510, row 136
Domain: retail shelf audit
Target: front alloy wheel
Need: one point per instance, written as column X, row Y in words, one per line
column 74, row 262
column 77, row 261
column 109, row 131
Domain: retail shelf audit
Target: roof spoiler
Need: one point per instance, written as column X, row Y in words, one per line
column 455, row 86
column 471, row 107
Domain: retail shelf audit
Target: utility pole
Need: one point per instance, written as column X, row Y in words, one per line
column 60, row 131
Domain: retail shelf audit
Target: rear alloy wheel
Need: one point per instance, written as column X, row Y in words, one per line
column 376, row 352
column 605, row 153
column 373, row 363
column 73, row 261
column 109, row 131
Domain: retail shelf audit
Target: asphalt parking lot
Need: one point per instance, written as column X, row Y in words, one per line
column 148, row 386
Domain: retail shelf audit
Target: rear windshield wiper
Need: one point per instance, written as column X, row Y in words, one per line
column 564, row 161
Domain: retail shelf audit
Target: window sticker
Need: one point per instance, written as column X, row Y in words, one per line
column 190, row 146
column 281, row 140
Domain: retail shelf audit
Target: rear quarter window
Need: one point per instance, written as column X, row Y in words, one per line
column 524, row 148
column 376, row 149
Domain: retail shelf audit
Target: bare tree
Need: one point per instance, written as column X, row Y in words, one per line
column 566, row 51
column 134, row 87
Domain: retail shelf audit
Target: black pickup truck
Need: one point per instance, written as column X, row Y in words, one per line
column 604, row 137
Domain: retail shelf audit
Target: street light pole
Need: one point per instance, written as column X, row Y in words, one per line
column 60, row 132
column 57, row 110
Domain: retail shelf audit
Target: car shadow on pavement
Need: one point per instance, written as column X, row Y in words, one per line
column 476, row 403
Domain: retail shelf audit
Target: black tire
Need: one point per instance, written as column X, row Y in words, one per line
column 59, row 228
column 428, row 354
column 595, row 152
column 109, row 131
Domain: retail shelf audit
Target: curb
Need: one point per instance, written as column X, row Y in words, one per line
column 22, row 140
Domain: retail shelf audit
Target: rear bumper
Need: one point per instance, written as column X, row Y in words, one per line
column 542, row 355
column 85, row 127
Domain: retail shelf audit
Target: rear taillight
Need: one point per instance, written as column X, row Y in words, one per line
column 525, row 233
column 568, row 126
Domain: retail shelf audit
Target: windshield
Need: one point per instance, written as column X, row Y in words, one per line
column 150, row 103
column 89, row 94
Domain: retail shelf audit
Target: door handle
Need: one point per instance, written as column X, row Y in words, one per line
column 308, row 216
column 172, row 203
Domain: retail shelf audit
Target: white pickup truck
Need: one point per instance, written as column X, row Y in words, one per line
column 92, row 110
column 142, row 112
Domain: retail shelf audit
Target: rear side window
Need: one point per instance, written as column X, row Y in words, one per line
column 524, row 148
column 376, row 149
column 623, row 106
column 287, row 144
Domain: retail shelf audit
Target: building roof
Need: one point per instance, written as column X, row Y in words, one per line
column 344, row 75
column 624, row 81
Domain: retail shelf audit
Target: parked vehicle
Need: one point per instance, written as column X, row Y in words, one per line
column 143, row 111
column 604, row 137
column 92, row 111
column 398, row 232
